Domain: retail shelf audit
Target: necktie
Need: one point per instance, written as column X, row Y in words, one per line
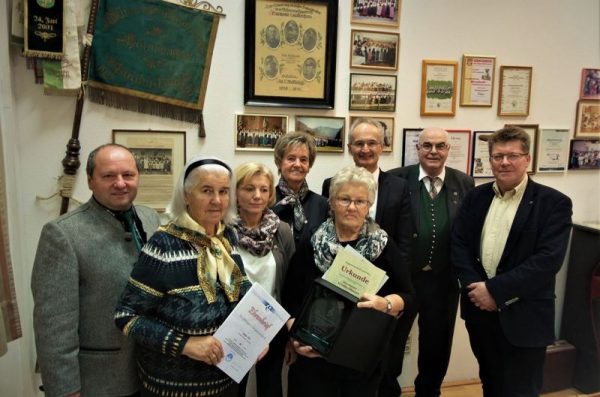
column 432, row 190
column 135, row 234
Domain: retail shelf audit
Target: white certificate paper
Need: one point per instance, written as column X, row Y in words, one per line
column 248, row 330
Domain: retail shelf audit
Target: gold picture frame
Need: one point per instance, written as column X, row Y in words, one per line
column 514, row 97
column 477, row 80
column 259, row 132
column 438, row 87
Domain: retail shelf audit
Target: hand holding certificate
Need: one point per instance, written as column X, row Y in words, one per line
column 248, row 330
column 354, row 274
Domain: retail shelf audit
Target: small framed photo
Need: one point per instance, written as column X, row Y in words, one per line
column 258, row 132
column 584, row 154
column 160, row 156
column 329, row 132
column 376, row 12
column 553, row 150
column 459, row 156
column 480, row 165
column 438, row 87
column 590, row 84
column 477, row 80
column 388, row 130
column 532, row 130
column 372, row 92
column 587, row 124
column 410, row 140
column 374, row 50
column 515, row 90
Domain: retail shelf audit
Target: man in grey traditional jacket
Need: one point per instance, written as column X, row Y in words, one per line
column 82, row 264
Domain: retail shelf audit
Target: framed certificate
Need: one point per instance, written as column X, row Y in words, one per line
column 329, row 132
column 532, row 130
column 515, row 90
column 459, row 155
column 290, row 53
column 160, row 156
column 388, row 130
column 374, row 50
column 410, row 140
column 477, row 80
column 587, row 124
column 553, row 150
column 480, row 166
column 438, row 88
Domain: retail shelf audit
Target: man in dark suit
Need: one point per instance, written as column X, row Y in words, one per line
column 391, row 211
column 508, row 242
column 436, row 289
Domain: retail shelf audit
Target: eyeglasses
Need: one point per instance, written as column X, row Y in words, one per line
column 428, row 147
column 346, row 201
column 360, row 144
column 511, row 157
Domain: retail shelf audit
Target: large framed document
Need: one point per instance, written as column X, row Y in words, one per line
column 342, row 333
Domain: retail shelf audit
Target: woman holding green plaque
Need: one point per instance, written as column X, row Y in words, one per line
column 352, row 192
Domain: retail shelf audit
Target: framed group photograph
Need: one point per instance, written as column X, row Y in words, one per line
column 259, row 132
column 160, row 156
column 515, row 90
column 290, row 53
column 590, row 84
column 374, row 50
column 584, row 154
column 532, row 131
column 387, row 123
column 438, row 88
column 459, row 155
column 587, row 124
column 410, row 140
column 376, row 12
column 329, row 132
column 372, row 92
column 477, row 80
column 480, row 164
column 553, row 150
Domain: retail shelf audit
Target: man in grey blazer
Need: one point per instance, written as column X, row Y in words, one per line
column 436, row 288
column 82, row 264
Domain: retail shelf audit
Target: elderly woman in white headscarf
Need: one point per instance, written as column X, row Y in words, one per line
column 186, row 282
column 351, row 193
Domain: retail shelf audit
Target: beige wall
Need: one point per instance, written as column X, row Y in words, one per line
column 556, row 37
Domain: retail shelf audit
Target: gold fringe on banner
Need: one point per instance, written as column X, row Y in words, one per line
column 146, row 106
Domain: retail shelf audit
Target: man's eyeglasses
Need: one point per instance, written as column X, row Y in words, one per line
column 428, row 147
column 360, row 144
column 511, row 157
column 346, row 201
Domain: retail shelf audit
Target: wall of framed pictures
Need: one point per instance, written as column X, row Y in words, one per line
column 35, row 127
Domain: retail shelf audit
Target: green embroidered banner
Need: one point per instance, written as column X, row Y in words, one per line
column 152, row 56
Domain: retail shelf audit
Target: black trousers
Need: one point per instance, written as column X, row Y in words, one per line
column 437, row 303
column 505, row 370
column 315, row 377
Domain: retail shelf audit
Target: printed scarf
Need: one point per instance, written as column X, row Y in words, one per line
column 371, row 242
column 258, row 241
column 294, row 199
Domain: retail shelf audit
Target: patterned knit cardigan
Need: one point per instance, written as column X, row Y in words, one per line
column 162, row 306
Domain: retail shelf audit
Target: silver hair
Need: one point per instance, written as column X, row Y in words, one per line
column 368, row 121
column 353, row 174
column 185, row 185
